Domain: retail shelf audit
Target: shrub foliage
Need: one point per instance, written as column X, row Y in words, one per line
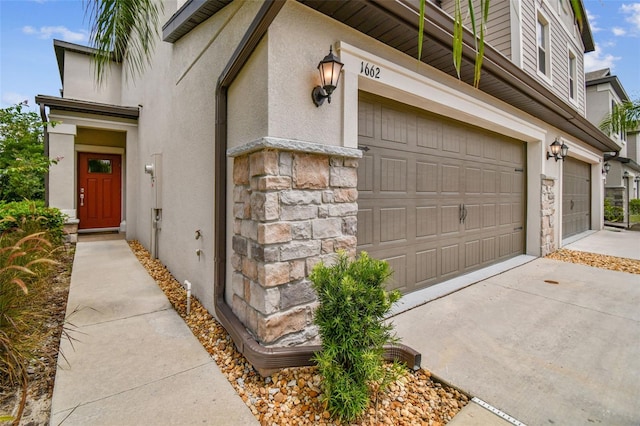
column 31, row 217
column 353, row 303
column 612, row 213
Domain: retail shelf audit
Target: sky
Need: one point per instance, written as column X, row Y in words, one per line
column 28, row 64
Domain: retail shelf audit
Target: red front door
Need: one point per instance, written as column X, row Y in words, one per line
column 99, row 190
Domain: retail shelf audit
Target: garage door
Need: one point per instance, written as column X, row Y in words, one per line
column 576, row 197
column 437, row 198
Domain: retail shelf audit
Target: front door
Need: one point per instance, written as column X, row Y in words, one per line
column 99, row 190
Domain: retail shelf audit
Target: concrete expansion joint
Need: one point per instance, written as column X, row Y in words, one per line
column 497, row 412
column 168, row 308
column 132, row 389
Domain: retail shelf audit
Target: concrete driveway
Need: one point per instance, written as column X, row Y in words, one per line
column 544, row 353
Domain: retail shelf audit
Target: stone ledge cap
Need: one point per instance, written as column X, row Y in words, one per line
column 293, row 145
column 545, row 177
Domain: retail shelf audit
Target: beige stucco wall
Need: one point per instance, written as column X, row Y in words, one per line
column 177, row 119
column 79, row 80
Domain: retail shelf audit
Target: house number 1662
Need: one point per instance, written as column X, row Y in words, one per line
column 369, row 70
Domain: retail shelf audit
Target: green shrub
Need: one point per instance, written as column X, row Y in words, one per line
column 634, row 206
column 30, row 217
column 353, row 303
column 612, row 213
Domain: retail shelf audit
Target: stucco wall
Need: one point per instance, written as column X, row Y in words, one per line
column 79, row 80
column 177, row 119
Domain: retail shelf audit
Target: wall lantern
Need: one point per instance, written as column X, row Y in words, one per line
column 606, row 168
column 636, row 179
column 626, row 174
column 329, row 69
column 558, row 151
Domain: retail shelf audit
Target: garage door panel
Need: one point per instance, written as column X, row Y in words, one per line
column 394, row 126
column 450, row 259
column 450, row 178
column 489, row 181
column 426, row 266
column 365, row 174
column 410, row 195
column 393, row 224
column 366, row 119
column 472, row 253
column 453, row 140
column 393, row 174
column 426, row 221
column 473, row 180
column 426, row 177
column 399, row 279
column 473, row 218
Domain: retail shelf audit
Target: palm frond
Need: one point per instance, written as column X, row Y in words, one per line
column 623, row 118
column 123, row 31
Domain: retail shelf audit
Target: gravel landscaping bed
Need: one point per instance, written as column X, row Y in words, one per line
column 602, row 261
column 292, row 396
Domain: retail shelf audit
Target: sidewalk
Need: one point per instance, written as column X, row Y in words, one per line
column 135, row 362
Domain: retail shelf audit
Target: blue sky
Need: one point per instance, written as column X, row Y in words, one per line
column 28, row 65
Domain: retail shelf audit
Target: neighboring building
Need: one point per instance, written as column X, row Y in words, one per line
column 622, row 182
column 252, row 184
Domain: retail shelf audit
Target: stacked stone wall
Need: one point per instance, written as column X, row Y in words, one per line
column 291, row 210
column 547, row 207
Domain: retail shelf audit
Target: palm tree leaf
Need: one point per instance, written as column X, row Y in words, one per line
column 457, row 38
column 123, row 31
column 421, row 29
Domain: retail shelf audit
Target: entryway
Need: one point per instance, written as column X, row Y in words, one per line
column 99, row 191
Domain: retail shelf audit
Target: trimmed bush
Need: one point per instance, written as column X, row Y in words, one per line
column 353, row 303
column 634, row 206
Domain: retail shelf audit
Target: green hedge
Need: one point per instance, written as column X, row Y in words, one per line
column 634, row 206
column 32, row 216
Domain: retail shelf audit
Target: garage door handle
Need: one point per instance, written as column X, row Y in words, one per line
column 463, row 213
column 571, row 204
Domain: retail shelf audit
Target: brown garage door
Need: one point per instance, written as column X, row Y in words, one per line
column 576, row 197
column 437, row 198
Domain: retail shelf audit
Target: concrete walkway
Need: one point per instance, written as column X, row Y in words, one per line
column 135, row 362
column 544, row 353
column 610, row 241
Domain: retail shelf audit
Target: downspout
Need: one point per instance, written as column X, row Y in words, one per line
column 43, row 115
column 263, row 359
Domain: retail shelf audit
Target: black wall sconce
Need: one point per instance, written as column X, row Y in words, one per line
column 606, row 168
column 558, row 151
column 329, row 69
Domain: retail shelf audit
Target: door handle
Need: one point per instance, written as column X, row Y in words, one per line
column 81, row 197
column 571, row 204
column 461, row 214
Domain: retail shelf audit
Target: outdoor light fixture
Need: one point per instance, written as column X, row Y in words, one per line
column 558, row 150
column 329, row 69
column 606, row 169
column 626, row 174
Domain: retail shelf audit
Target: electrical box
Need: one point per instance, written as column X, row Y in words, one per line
column 156, row 181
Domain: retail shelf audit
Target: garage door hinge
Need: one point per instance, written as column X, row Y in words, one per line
column 519, row 170
column 363, row 148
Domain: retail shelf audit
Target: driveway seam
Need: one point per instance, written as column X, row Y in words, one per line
column 168, row 308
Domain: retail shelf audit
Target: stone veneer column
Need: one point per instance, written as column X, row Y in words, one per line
column 294, row 206
column 547, row 207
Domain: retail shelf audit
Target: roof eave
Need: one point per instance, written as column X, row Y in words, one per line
column 86, row 107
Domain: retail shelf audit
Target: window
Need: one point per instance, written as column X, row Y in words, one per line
column 543, row 46
column 572, row 77
column 99, row 166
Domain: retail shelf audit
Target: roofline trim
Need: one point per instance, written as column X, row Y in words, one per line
column 76, row 105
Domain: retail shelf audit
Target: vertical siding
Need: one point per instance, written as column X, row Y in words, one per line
column 499, row 24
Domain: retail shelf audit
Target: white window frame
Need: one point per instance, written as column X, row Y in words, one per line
column 572, row 76
column 543, row 21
